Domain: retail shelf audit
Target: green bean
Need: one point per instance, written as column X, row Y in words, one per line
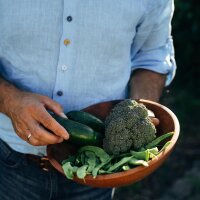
column 151, row 156
column 91, row 161
column 107, row 166
column 120, row 163
column 142, row 155
column 134, row 161
column 158, row 140
column 154, row 151
column 165, row 146
column 125, row 167
column 98, row 167
column 142, row 149
column 102, row 171
column 82, row 158
column 103, row 156
column 89, row 154
column 123, row 155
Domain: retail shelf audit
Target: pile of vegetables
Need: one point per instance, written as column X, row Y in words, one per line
column 125, row 139
column 94, row 160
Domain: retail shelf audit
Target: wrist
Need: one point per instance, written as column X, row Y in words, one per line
column 8, row 96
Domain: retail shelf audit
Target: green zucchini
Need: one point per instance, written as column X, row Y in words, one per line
column 80, row 134
column 87, row 119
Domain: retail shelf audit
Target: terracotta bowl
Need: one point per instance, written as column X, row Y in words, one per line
column 168, row 122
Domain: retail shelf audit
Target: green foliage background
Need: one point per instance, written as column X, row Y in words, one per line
column 185, row 89
column 186, row 33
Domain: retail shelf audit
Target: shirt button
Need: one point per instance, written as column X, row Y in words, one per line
column 59, row 93
column 69, row 18
column 66, row 42
column 64, row 67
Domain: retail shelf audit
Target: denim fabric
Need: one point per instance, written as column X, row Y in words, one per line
column 22, row 180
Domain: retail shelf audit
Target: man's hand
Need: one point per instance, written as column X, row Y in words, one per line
column 29, row 116
column 145, row 84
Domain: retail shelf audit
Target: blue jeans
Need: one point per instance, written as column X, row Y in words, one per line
column 22, row 180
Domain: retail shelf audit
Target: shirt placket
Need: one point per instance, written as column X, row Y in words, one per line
column 66, row 58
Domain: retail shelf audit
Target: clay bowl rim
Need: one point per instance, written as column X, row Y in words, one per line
column 136, row 169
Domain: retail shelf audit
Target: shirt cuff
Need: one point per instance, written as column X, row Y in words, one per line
column 160, row 60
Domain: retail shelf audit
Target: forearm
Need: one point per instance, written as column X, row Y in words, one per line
column 145, row 84
column 8, row 91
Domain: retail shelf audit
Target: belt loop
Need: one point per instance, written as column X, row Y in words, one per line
column 44, row 162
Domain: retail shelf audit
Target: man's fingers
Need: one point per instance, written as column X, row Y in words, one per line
column 35, row 142
column 42, row 135
column 30, row 112
column 28, row 137
column 50, row 123
column 53, row 106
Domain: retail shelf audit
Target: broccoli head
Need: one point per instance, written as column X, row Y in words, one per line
column 127, row 127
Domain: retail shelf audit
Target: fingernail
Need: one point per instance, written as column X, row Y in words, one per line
column 66, row 136
column 63, row 115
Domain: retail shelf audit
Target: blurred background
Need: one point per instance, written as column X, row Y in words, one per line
column 179, row 176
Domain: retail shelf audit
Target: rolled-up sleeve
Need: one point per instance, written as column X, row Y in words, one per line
column 152, row 46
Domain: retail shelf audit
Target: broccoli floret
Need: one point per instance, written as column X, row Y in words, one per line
column 127, row 127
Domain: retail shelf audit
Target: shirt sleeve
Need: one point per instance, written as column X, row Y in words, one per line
column 152, row 47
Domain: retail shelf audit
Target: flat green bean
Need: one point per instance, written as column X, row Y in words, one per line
column 158, row 140
column 141, row 155
column 91, row 161
column 165, row 146
column 98, row 167
column 125, row 167
column 134, row 161
column 103, row 156
column 120, row 163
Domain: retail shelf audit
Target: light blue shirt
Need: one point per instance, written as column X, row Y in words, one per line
column 81, row 52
